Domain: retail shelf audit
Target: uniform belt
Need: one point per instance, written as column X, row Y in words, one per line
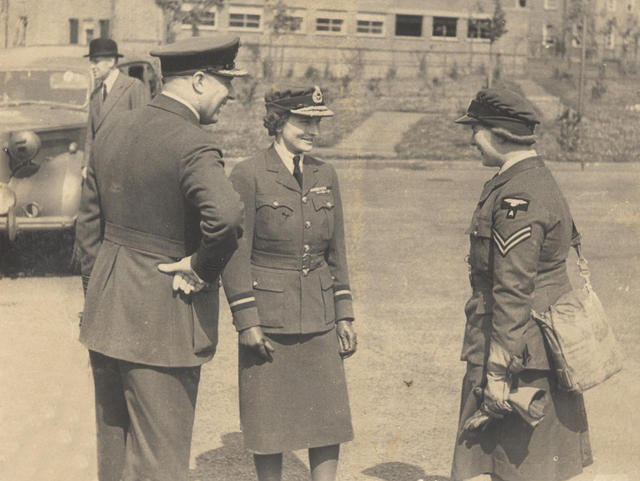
column 143, row 241
column 306, row 262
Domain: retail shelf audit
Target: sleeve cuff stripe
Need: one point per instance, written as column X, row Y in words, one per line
column 243, row 306
column 241, row 295
column 342, row 297
column 343, row 292
column 242, row 301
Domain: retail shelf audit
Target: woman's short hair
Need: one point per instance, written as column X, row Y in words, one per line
column 274, row 120
column 511, row 137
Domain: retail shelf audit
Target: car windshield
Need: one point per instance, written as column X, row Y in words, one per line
column 67, row 87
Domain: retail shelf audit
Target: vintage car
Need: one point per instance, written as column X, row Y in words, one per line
column 44, row 94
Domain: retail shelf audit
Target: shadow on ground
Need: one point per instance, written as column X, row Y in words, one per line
column 37, row 253
column 396, row 471
column 233, row 462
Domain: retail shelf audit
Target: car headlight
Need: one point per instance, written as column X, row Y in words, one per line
column 22, row 148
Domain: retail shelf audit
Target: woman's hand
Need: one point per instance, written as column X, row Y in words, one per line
column 347, row 337
column 253, row 338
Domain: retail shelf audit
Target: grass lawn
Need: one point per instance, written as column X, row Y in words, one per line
column 406, row 246
column 608, row 131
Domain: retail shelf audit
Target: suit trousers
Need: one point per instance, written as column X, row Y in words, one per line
column 144, row 419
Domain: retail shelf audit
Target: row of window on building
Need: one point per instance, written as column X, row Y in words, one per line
column 334, row 23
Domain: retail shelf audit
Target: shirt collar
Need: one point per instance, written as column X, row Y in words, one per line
column 177, row 98
column 517, row 157
column 111, row 79
column 286, row 156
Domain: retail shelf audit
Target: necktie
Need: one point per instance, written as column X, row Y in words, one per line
column 297, row 173
column 104, row 92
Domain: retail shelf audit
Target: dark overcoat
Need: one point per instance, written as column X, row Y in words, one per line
column 155, row 191
column 289, row 274
column 127, row 93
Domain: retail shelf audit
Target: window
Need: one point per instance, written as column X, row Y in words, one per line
column 479, row 28
column 104, row 29
column 20, row 35
column 409, row 25
column 548, row 35
column 73, row 31
column 551, row 4
column 576, row 35
column 245, row 18
column 611, row 39
column 204, row 18
column 329, row 24
column 88, row 33
column 297, row 21
column 445, row 26
column 630, row 5
column 369, row 24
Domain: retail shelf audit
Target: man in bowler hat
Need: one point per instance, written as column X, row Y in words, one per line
column 158, row 222
column 113, row 90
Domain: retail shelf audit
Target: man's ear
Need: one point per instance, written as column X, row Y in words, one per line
column 198, row 80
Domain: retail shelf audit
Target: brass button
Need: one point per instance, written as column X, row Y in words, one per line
column 305, row 272
column 276, row 203
column 255, row 283
column 307, row 224
column 329, row 204
column 304, row 199
column 306, row 248
column 474, row 233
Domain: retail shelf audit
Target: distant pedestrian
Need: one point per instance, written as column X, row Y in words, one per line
column 113, row 90
column 288, row 289
column 520, row 236
column 156, row 192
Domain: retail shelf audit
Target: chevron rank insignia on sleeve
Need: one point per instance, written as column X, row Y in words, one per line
column 505, row 245
column 512, row 205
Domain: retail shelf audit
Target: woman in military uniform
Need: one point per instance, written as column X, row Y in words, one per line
column 520, row 235
column 288, row 289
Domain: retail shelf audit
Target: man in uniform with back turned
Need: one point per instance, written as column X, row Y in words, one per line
column 157, row 224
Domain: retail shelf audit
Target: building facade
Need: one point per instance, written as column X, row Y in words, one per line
column 371, row 38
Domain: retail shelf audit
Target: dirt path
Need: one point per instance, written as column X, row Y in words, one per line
column 379, row 134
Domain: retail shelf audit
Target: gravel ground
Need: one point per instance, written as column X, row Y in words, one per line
column 406, row 244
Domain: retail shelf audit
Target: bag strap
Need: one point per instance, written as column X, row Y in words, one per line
column 583, row 265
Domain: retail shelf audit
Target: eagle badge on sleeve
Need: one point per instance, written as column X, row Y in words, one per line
column 512, row 205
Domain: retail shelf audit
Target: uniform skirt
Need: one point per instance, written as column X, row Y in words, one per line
column 556, row 449
column 297, row 401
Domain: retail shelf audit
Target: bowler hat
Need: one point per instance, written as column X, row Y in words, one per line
column 213, row 54
column 103, row 47
column 503, row 109
column 308, row 102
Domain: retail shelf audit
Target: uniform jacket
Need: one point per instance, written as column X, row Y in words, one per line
column 127, row 93
column 156, row 194
column 289, row 274
column 520, row 235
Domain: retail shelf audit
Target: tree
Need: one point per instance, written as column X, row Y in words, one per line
column 174, row 13
column 497, row 28
column 281, row 23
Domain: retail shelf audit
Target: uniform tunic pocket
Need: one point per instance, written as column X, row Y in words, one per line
column 269, row 294
column 324, row 206
column 273, row 218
